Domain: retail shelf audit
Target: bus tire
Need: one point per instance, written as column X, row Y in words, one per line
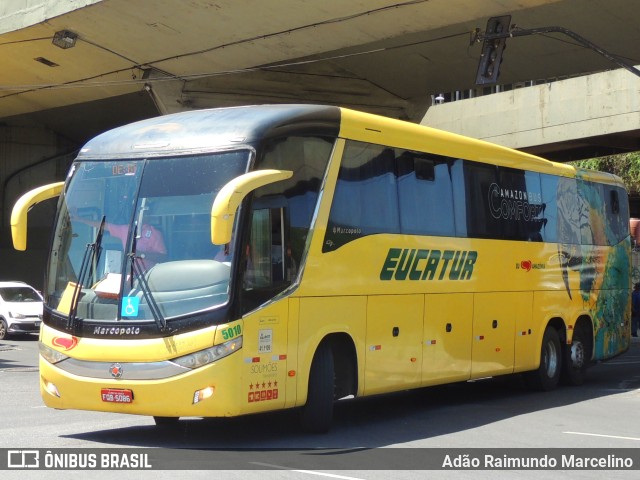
column 547, row 375
column 576, row 357
column 317, row 414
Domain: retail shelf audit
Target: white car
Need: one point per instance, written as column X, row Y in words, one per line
column 20, row 309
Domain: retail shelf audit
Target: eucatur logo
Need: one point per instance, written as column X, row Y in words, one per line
column 528, row 265
column 65, row 342
column 420, row 264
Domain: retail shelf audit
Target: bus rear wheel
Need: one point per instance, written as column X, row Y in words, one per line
column 576, row 357
column 317, row 414
column 547, row 375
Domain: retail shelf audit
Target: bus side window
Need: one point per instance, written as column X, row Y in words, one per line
column 615, row 203
column 267, row 258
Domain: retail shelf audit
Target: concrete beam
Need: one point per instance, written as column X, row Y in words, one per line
column 18, row 14
column 596, row 106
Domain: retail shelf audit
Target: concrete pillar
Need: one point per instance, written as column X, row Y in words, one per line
column 31, row 156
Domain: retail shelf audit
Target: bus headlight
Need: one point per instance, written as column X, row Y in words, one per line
column 209, row 355
column 51, row 355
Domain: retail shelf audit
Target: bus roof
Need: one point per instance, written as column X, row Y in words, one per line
column 395, row 133
column 201, row 131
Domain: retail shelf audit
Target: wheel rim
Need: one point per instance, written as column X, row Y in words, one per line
column 551, row 359
column 577, row 354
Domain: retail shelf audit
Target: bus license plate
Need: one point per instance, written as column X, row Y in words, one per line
column 116, row 395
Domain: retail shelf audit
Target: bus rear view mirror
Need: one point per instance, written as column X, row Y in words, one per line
column 22, row 207
column 228, row 200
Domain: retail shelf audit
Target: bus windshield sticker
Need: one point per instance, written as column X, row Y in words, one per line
column 130, row 306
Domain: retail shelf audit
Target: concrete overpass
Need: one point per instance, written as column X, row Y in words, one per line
column 383, row 56
column 582, row 117
column 120, row 60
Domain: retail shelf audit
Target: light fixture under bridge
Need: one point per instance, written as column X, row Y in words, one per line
column 65, row 39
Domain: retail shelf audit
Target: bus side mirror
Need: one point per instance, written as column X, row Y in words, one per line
column 226, row 203
column 22, row 207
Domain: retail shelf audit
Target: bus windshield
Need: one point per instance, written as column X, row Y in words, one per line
column 132, row 239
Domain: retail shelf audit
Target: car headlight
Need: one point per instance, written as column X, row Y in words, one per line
column 51, row 355
column 17, row 315
column 209, row 355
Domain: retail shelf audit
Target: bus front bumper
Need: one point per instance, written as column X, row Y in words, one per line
column 209, row 391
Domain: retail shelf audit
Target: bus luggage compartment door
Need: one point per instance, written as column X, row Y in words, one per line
column 393, row 349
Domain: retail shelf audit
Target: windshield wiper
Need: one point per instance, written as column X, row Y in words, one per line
column 137, row 272
column 91, row 256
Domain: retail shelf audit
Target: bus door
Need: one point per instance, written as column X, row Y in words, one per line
column 267, row 268
column 265, row 323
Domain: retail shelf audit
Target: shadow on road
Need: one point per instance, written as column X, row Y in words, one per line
column 384, row 420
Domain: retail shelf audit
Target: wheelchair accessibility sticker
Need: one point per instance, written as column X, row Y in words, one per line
column 130, row 306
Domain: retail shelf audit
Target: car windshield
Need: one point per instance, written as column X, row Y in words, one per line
column 132, row 239
column 19, row 294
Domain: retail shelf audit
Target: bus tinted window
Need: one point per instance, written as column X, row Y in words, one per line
column 483, row 218
column 593, row 233
column 307, row 157
column 425, row 195
column 517, row 201
column 365, row 201
column 387, row 190
column 549, row 187
column 617, row 211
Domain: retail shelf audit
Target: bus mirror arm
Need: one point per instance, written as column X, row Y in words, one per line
column 22, row 207
column 226, row 203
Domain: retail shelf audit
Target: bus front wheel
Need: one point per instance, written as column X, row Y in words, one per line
column 547, row 375
column 317, row 414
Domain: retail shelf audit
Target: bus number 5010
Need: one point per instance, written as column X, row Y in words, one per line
column 231, row 332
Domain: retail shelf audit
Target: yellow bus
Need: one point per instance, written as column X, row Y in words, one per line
column 240, row 260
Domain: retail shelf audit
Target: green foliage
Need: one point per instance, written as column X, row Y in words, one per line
column 625, row 165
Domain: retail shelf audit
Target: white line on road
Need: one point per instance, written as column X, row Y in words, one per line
column 626, row 362
column 605, row 436
column 309, row 472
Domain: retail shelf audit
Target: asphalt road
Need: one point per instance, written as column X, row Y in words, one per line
column 370, row 437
